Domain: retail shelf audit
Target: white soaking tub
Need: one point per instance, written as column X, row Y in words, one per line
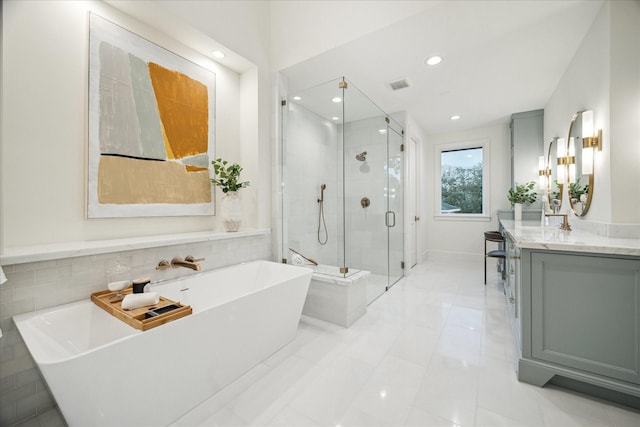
column 102, row 372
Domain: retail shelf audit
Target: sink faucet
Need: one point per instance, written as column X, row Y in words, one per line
column 565, row 221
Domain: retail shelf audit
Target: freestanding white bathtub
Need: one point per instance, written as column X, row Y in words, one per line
column 103, row 372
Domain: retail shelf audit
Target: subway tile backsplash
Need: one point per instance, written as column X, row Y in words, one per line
column 36, row 285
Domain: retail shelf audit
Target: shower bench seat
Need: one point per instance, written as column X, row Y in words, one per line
column 339, row 300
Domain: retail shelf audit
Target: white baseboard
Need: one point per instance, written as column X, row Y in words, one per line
column 449, row 256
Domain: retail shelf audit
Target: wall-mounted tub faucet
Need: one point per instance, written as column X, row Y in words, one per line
column 361, row 156
column 187, row 262
column 190, row 258
column 179, row 262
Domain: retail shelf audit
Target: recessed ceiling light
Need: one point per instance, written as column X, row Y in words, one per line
column 217, row 54
column 382, row 131
column 337, row 99
column 296, row 98
column 456, row 117
column 434, row 60
column 335, row 118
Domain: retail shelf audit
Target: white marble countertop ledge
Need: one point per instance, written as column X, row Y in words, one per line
column 54, row 251
column 531, row 235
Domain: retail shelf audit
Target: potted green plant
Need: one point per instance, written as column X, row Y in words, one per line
column 227, row 177
column 520, row 195
column 577, row 191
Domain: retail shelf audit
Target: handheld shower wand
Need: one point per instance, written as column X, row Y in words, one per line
column 322, row 188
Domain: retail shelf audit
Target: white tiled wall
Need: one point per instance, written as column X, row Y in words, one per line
column 37, row 285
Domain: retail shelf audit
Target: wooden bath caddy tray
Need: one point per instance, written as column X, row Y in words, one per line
column 136, row 317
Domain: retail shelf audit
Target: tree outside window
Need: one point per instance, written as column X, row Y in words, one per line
column 461, row 179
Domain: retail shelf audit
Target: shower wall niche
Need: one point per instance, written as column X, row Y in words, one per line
column 333, row 135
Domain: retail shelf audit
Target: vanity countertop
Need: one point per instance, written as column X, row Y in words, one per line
column 529, row 234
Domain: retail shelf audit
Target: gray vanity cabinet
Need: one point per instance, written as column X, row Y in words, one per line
column 581, row 319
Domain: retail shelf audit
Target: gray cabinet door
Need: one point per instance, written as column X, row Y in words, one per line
column 585, row 313
column 512, row 289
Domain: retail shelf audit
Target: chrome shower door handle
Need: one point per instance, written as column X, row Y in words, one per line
column 386, row 219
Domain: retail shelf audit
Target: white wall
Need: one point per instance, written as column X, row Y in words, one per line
column 465, row 235
column 44, row 141
column 585, row 85
column 603, row 76
column 625, row 112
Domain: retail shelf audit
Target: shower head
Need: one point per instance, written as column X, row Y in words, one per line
column 362, row 156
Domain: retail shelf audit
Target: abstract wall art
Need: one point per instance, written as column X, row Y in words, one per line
column 151, row 128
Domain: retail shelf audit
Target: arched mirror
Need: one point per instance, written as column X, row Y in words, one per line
column 580, row 188
column 554, row 185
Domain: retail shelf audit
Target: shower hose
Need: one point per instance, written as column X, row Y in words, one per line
column 322, row 223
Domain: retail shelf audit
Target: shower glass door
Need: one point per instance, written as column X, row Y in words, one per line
column 366, row 180
column 395, row 228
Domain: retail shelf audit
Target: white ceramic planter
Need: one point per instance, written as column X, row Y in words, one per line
column 231, row 211
column 517, row 211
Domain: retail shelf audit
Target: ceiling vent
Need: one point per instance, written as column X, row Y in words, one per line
column 399, row 84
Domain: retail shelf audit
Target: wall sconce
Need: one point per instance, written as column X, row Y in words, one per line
column 590, row 142
column 543, row 172
column 562, row 159
column 571, row 159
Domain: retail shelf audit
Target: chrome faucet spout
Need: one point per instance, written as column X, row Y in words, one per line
column 179, row 262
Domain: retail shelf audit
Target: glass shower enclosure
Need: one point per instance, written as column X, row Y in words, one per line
column 342, row 195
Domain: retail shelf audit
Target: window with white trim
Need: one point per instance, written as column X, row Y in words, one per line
column 462, row 179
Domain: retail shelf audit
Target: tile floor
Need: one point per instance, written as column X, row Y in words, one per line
column 436, row 350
